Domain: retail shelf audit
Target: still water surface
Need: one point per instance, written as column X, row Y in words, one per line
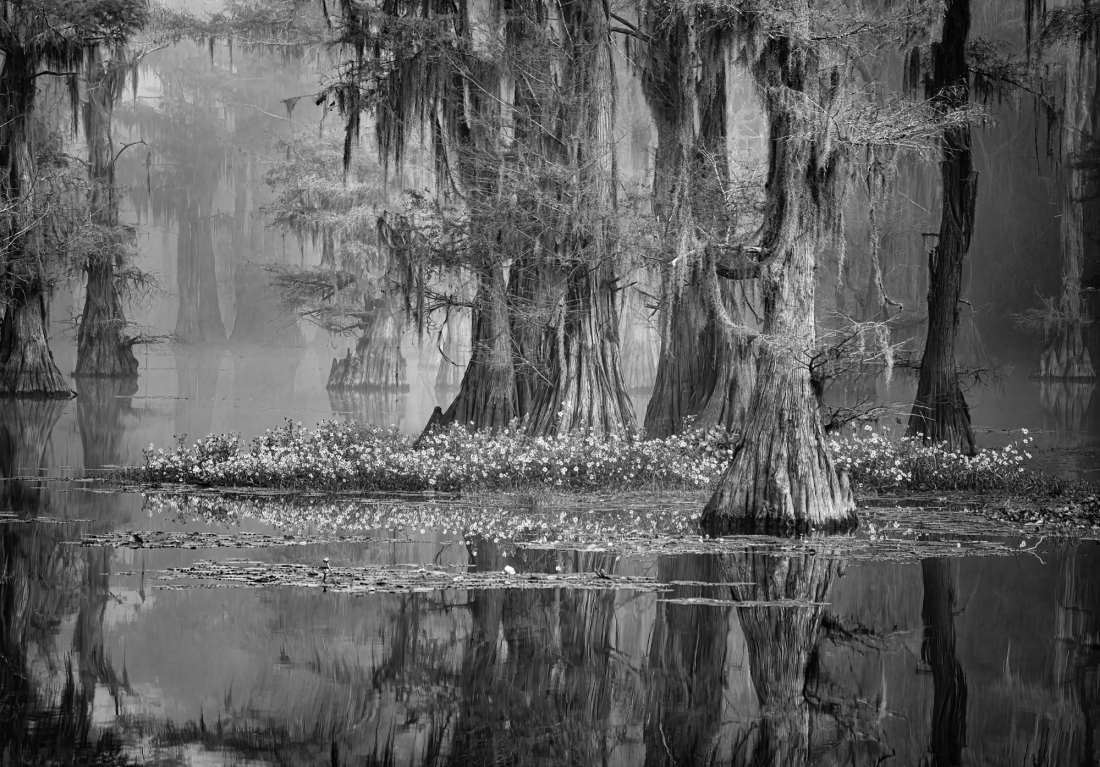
column 813, row 653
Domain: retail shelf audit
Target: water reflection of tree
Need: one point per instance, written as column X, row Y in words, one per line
column 25, row 428
column 382, row 407
column 781, row 640
column 1065, row 410
column 1070, row 415
column 948, row 732
column 540, row 678
column 101, row 412
column 687, row 657
column 196, row 387
column 45, row 710
column 1072, row 735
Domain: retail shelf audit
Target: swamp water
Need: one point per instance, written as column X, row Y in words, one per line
column 211, row 629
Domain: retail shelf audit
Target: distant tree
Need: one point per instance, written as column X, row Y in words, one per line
column 352, row 290
column 39, row 38
column 1068, row 39
column 940, row 413
column 212, row 107
column 104, row 348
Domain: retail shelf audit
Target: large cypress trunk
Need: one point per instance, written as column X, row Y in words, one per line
column 102, row 348
column 586, row 389
column 486, row 397
column 534, row 296
column 782, row 474
column 703, row 374
column 1066, row 356
column 940, row 413
column 26, row 362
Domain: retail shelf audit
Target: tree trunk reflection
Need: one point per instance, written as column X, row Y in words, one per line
column 948, row 733
column 781, row 639
column 687, row 657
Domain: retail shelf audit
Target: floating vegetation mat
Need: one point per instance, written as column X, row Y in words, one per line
column 143, row 539
column 11, row 518
column 847, row 548
column 363, row 579
column 385, row 579
column 907, row 546
column 596, row 520
column 540, row 539
column 615, row 522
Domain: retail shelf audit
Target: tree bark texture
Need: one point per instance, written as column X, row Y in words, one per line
column 486, row 397
column 703, row 373
column 940, row 414
column 1066, row 356
column 534, row 299
column 782, row 474
column 585, row 388
column 587, row 391
column 26, row 362
column 948, row 726
column 102, row 348
column 27, row 367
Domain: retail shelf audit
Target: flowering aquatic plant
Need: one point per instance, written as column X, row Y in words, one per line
column 343, row 456
column 876, row 462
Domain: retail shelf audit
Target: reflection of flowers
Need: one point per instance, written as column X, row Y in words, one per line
column 343, row 519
